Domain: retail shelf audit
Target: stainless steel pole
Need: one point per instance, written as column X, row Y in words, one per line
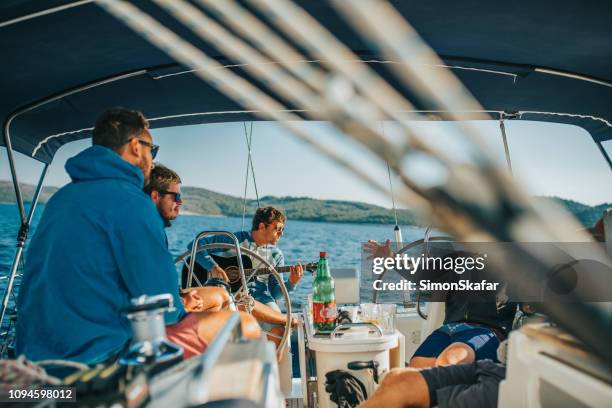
column 605, row 154
column 505, row 140
column 22, row 235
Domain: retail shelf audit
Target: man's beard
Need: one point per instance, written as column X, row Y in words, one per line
column 146, row 170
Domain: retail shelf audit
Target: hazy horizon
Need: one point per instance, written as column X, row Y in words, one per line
column 213, row 157
column 314, row 198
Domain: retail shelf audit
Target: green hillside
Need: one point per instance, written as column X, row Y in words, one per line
column 586, row 214
column 207, row 202
column 7, row 192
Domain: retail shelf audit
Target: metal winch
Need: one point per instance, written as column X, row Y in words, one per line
column 149, row 345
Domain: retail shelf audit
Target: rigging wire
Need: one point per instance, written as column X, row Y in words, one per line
column 397, row 230
column 249, row 137
column 249, row 143
column 392, row 196
column 246, row 184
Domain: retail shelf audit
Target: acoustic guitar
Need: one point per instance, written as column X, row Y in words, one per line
column 230, row 266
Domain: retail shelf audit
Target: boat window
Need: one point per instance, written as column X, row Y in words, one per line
column 559, row 160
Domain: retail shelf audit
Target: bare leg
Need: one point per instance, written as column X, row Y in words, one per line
column 205, row 299
column 422, row 362
column 400, row 388
column 276, row 331
column 209, row 324
column 265, row 313
column 456, row 353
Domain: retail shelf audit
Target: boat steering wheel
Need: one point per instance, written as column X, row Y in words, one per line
column 423, row 241
column 280, row 348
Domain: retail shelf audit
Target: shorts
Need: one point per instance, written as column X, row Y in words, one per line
column 185, row 334
column 481, row 339
column 473, row 385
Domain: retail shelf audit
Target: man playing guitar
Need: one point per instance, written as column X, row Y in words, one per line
column 267, row 229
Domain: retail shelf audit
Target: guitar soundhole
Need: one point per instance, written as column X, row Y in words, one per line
column 233, row 274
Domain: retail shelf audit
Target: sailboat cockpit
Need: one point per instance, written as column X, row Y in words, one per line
column 355, row 65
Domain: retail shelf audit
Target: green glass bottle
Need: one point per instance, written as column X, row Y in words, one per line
column 323, row 297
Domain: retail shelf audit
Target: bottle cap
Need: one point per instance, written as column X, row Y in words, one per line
column 322, row 254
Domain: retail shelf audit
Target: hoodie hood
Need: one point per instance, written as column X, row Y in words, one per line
column 99, row 162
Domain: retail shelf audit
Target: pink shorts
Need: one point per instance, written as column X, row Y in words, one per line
column 185, row 334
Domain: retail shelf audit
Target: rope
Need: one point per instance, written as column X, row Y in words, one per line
column 21, row 373
column 63, row 363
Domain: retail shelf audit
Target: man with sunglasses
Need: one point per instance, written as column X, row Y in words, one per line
column 267, row 229
column 99, row 243
column 164, row 188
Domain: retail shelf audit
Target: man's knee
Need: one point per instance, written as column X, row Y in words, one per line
column 219, row 296
column 456, row 353
column 206, row 298
column 422, row 362
column 400, row 387
column 398, row 375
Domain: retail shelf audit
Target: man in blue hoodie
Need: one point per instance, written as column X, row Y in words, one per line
column 99, row 243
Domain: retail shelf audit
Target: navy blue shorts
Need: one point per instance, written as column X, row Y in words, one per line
column 481, row 339
column 474, row 385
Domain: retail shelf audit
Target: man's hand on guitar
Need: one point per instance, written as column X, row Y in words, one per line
column 296, row 273
column 218, row 272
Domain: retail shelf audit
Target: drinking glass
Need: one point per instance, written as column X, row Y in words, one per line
column 370, row 313
column 387, row 317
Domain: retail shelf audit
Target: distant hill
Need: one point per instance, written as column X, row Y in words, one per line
column 586, row 214
column 202, row 201
column 7, row 192
column 207, row 202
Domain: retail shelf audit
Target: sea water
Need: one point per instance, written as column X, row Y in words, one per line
column 301, row 243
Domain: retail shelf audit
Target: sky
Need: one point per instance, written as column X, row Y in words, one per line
column 548, row 159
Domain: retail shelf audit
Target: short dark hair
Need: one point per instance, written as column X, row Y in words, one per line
column 267, row 215
column 161, row 178
column 116, row 126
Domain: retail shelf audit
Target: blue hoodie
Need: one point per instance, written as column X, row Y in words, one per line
column 99, row 243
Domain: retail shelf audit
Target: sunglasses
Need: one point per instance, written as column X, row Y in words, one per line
column 280, row 230
column 177, row 196
column 154, row 147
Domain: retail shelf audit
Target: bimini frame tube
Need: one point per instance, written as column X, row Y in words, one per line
column 502, row 127
column 25, row 221
column 605, row 154
column 9, row 152
column 22, row 235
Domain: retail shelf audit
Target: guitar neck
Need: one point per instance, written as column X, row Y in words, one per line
column 265, row 271
column 279, row 269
